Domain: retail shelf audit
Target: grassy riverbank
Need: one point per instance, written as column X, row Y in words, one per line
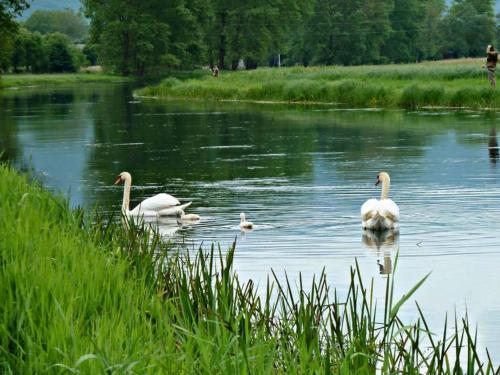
column 96, row 298
column 455, row 83
column 23, row 80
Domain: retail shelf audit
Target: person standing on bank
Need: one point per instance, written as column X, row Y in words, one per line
column 491, row 64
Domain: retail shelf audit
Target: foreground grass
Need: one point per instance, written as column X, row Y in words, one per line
column 23, row 80
column 457, row 83
column 98, row 298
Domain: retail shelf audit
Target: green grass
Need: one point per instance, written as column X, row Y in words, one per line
column 23, row 80
column 456, row 83
column 90, row 297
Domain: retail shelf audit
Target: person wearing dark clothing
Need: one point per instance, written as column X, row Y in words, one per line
column 491, row 64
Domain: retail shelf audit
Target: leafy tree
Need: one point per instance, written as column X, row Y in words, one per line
column 322, row 32
column 9, row 9
column 337, row 33
column 298, row 50
column 430, row 38
column 468, row 27
column 18, row 57
column 61, row 57
column 63, row 21
column 377, row 29
column 90, row 53
column 141, row 36
column 406, row 22
column 28, row 52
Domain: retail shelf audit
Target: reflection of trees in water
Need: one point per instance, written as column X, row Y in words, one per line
column 158, row 141
column 48, row 118
column 384, row 243
column 9, row 147
column 172, row 140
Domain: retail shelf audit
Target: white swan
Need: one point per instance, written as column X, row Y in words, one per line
column 244, row 224
column 380, row 214
column 158, row 205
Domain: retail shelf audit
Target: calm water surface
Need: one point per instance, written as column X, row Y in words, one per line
column 300, row 173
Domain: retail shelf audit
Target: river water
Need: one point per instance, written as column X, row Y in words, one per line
column 300, row 173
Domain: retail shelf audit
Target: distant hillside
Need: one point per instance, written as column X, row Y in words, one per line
column 51, row 5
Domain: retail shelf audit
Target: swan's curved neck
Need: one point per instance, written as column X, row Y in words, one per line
column 386, row 183
column 126, row 195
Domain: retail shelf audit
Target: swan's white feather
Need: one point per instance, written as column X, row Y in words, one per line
column 246, row 225
column 380, row 214
column 155, row 203
column 159, row 205
column 173, row 211
column 159, row 202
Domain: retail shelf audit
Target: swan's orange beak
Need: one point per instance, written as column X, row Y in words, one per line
column 118, row 180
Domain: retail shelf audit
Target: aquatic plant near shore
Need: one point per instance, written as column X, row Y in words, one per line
column 85, row 295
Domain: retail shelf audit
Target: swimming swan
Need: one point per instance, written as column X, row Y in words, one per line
column 244, row 224
column 380, row 214
column 158, row 205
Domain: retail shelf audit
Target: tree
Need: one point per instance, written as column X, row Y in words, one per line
column 18, row 57
column 468, row 27
column 298, row 50
column 138, row 36
column 64, row 21
column 61, row 57
column 336, row 32
column 429, row 42
column 406, row 23
column 9, row 9
column 90, row 53
column 321, row 32
column 36, row 57
column 377, row 29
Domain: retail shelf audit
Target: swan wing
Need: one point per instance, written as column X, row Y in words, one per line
column 173, row 210
column 369, row 209
column 155, row 203
column 389, row 210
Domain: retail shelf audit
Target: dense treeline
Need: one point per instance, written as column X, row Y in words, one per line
column 9, row 9
column 45, row 42
column 140, row 37
column 36, row 53
column 143, row 37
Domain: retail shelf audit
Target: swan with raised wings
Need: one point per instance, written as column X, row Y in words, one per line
column 380, row 214
column 159, row 205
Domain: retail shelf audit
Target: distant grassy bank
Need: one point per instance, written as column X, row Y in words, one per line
column 454, row 83
column 23, row 80
column 91, row 297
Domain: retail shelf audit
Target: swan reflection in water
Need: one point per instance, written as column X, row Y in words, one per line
column 384, row 243
column 493, row 146
column 165, row 227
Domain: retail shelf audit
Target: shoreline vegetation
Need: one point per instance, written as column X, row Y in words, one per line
column 10, row 81
column 88, row 295
column 447, row 83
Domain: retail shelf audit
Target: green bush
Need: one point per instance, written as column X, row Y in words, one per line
column 61, row 56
